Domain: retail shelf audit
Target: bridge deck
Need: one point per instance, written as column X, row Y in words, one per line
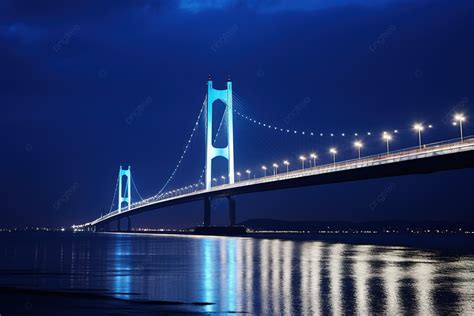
column 430, row 158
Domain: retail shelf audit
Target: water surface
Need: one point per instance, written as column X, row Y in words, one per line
column 136, row 273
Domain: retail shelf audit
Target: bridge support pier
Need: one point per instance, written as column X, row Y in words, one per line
column 129, row 224
column 231, row 210
column 207, row 211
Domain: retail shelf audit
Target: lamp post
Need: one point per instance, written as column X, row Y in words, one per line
column 248, row 172
column 314, row 157
column 333, row 151
column 388, row 138
column 223, row 179
column 238, row 176
column 459, row 118
column 358, row 144
column 302, row 158
column 287, row 164
column 418, row 127
column 264, row 168
column 275, row 169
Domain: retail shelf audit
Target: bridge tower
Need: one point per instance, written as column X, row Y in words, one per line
column 212, row 152
column 124, row 196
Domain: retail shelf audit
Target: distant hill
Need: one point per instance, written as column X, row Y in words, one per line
column 396, row 226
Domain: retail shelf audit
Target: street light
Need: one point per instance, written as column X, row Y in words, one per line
column 215, row 180
column 418, row 127
column 302, row 158
column 264, row 168
column 287, row 164
column 223, row 179
column 388, row 138
column 238, row 176
column 314, row 157
column 358, row 144
column 333, row 151
column 248, row 172
column 459, row 118
column 275, row 169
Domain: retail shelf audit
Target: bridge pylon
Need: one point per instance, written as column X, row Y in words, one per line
column 226, row 152
column 125, row 196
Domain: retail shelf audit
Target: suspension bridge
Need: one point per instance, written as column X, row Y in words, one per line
column 425, row 158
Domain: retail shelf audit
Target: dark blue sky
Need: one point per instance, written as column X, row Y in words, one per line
column 72, row 74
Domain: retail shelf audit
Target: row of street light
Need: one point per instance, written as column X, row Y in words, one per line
column 458, row 119
column 358, row 144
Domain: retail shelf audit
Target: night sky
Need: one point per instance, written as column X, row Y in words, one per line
column 86, row 87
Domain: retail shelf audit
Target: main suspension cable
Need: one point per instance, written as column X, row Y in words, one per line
column 136, row 189
column 188, row 143
column 115, row 193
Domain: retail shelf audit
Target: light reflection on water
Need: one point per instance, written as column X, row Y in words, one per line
column 260, row 276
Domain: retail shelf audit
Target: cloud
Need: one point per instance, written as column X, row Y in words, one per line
column 64, row 12
column 21, row 32
column 269, row 6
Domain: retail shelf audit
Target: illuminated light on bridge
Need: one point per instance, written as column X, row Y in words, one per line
column 275, row 168
column 424, row 159
column 459, row 119
column 333, row 151
column 287, row 164
column 302, row 158
column 419, row 128
column 358, row 144
column 386, row 136
column 314, row 157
